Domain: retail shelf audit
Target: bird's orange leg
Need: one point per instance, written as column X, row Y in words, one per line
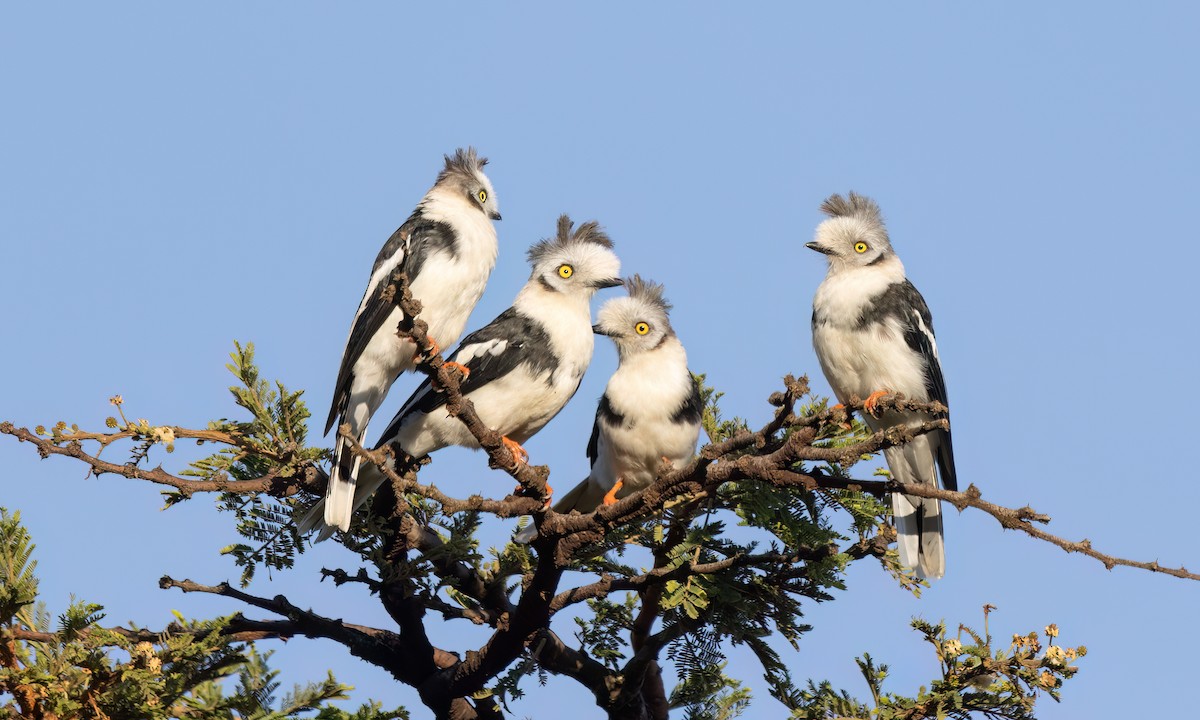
column 518, row 452
column 610, row 497
column 842, row 425
column 873, row 399
column 433, row 350
column 459, row 367
column 549, row 494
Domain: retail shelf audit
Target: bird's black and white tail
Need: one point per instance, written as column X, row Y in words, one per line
column 339, row 494
column 334, row 512
column 919, row 534
column 919, row 520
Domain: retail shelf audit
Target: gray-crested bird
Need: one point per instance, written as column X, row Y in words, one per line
column 650, row 411
column 521, row 368
column 447, row 248
column 873, row 335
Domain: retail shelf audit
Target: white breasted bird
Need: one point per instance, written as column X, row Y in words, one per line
column 447, row 247
column 521, row 368
column 873, row 335
column 650, row 410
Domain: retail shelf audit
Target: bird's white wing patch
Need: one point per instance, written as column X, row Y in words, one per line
column 924, row 330
column 493, row 347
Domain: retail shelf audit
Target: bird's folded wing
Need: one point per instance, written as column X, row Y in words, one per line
column 604, row 413
column 488, row 354
column 919, row 336
column 407, row 249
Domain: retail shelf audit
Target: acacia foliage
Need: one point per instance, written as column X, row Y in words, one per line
column 72, row 666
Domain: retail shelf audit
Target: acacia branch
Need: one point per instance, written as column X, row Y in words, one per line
column 554, row 655
column 405, row 482
column 239, row 629
column 381, row 648
column 644, row 663
column 660, row 575
column 271, row 482
column 531, row 614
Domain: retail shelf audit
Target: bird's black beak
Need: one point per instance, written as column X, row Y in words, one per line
column 609, row 283
column 600, row 331
column 495, row 216
column 819, row 248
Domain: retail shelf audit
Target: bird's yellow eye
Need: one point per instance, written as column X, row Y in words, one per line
column 641, row 328
column 860, row 247
column 565, row 271
column 482, row 195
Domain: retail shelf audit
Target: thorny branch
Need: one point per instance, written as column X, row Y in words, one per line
column 72, row 446
column 379, row 647
column 239, row 629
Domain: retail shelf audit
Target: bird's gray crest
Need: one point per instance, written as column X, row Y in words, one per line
column 589, row 232
column 647, row 291
column 855, row 205
column 464, row 163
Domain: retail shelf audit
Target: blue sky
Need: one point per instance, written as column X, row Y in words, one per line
column 173, row 178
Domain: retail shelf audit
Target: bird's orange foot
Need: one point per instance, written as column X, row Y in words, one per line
column 842, row 425
column 459, row 367
column 610, row 497
column 549, row 493
column 433, row 350
column 869, row 405
column 518, row 452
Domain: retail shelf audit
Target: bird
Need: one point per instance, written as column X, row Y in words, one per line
column 523, row 366
column 447, row 248
column 873, row 335
column 651, row 408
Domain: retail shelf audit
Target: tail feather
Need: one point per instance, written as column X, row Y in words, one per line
column 527, row 535
column 339, row 494
column 918, row 520
column 313, row 519
column 584, row 497
column 945, row 458
column 340, row 501
column 346, row 491
column 919, row 535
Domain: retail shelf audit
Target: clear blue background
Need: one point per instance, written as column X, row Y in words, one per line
column 174, row 177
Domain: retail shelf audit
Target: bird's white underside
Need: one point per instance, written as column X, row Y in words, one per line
column 645, row 390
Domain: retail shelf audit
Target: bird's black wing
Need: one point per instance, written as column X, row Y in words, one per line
column 692, row 409
column 407, row 249
column 905, row 302
column 605, row 413
column 490, row 353
column 918, row 333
